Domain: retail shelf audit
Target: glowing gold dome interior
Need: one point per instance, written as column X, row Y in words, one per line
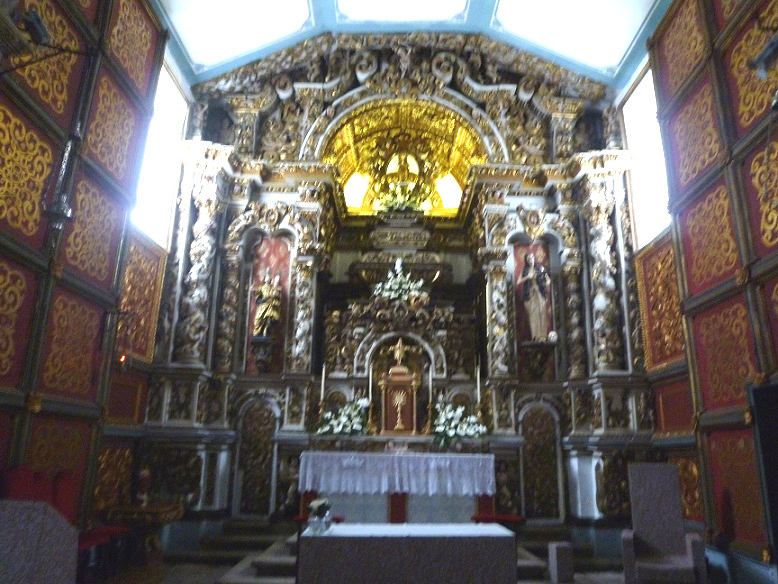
column 404, row 153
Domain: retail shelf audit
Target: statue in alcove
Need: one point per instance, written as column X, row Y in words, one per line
column 266, row 317
column 535, row 294
column 268, row 300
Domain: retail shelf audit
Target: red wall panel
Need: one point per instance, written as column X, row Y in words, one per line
column 91, row 243
column 674, row 407
column 724, row 344
column 71, row 355
column 708, row 236
column 18, row 290
column 736, row 487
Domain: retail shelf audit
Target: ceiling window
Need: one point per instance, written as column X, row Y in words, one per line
column 161, row 169
column 648, row 175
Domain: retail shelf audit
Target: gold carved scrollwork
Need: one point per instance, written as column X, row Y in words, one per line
column 734, row 457
column 13, row 287
column 541, row 490
column 612, row 485
column 55, row 447
column 140, row 298
column 713, row 248
column 723, row 338
column 534, row 220
column 690, row 487
column 68, row 366
column 696, row 136
column 26, row 164
column 682, row 45
column 89, row 243
column 130, row 40
column 114, row 478
column 50, row 77
column 765, row 181
column 112, row 129
column 754, row 94
column 660, row 306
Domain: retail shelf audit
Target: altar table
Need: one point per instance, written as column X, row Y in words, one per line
column 384, row 553
column 431, row 487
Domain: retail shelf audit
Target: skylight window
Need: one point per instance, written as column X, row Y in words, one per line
column 251, row 25
column 648, row 185
column 161, row 169
column 401, row 10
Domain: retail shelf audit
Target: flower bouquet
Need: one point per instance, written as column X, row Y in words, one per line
column 350, row 419
column 319, row 518
column 451, row 425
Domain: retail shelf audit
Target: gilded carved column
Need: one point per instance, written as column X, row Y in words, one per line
column 564, row 115
column 310, row 255
column 566, row 224
column 498, row 331
column 607, row 342
column 192, row 327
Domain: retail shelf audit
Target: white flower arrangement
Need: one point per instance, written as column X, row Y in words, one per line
column 348, row 420
column 451, row 424
column 319, row 507
column 399, row 285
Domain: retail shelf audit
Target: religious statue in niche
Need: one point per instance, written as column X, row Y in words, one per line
column 268, row 300
column 267, row 314
column 535, row 289
column 534, row 327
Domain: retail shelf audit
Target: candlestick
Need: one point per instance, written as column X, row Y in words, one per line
column 323, row 374
column 478, row 381
column 430, row 402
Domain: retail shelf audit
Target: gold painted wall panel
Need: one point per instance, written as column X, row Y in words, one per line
column 681, row 47
column 751, row 95
column 88, row 247
column 13, row 287
column 114, row 478
column 50, row 78
column 141, row 294
column 660, row 304
column 74, row 329
column 112, row 131
column 695, row 136
column 762, row 187
column 724, row 354
column 25, row 166
column 709, row 240
column 130, row 41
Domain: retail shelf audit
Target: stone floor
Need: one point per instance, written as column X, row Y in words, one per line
column 159, row 573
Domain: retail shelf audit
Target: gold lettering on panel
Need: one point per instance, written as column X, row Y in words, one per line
column 55, row 447
column 764, row 179
column 50, row 77
column 682, row 45
column 713, row 249
column 661, row 306
column 13, row 287
column 25, row 164
column 130, row 40
column 112, row 129
column 724, row 343
column 696, row 136
column 754, row 94
column 89, row 243
column 68, row 366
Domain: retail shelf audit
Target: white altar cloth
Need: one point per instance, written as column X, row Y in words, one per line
column 408, row 553
column 358, row 473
